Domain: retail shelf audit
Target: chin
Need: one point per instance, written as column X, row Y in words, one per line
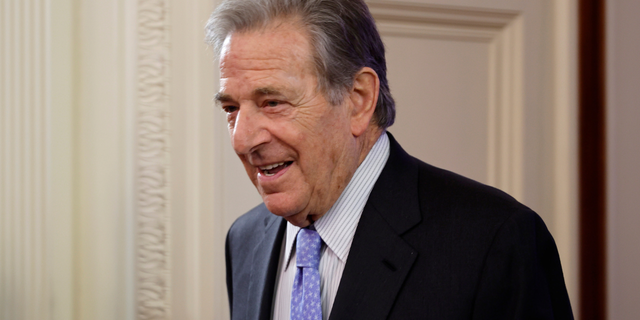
column 282, row 211
column 279, row 207
column 289, row 211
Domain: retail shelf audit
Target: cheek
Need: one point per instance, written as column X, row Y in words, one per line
column 249, row 169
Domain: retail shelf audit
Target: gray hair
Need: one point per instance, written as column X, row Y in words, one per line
column 343, row 35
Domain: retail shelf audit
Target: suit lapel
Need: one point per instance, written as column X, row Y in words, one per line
column 377, row 265
column 264, row 269
column 379, row 259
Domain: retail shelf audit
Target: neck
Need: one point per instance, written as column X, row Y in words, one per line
column 365, row 143
column 367, row 140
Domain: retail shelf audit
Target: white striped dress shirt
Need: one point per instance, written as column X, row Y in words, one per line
column 337, row 229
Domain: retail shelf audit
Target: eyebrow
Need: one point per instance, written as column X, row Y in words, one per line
column 222, row 97
column 264, row 91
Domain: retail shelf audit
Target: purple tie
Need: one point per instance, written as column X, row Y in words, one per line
column 305, row 297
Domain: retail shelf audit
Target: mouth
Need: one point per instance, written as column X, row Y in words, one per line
column 272, row 169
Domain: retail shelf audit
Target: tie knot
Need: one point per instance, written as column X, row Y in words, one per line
column 308, row 244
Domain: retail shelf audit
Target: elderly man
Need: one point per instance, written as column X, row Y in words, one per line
column 352, row 227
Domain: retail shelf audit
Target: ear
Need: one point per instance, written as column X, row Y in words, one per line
column 363, row 97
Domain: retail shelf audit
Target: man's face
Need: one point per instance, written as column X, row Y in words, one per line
column 297, row 148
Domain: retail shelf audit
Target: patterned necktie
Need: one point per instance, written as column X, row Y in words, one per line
column 305, row 297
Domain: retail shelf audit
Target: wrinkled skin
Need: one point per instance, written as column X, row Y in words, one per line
column 277, row 115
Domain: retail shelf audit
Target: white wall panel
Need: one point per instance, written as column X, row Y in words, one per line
column 104, row 243
column 487, row 89
column 25, row 290
column 35, row 160
column 198, row 289
column 456, row 77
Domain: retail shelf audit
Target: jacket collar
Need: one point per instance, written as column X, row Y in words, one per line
column 380, row 260
column 264, row 268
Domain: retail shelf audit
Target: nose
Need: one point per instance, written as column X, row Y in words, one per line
column 249, row 130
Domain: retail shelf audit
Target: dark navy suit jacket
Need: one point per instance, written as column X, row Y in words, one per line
column 430, row 245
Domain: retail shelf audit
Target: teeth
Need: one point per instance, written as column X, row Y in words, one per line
column 271, row 166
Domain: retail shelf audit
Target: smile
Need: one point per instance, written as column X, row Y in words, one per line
column 273, row 169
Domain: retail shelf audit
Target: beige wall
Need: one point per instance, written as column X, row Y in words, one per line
column 36, row 129
column 623, row 168
column 138, row 183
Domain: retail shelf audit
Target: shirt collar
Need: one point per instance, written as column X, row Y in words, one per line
column 338, row 226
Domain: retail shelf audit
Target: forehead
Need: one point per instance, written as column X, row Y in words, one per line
column 283, row 44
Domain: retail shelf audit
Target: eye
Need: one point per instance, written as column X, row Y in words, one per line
column 272, row 103
column 230, row 109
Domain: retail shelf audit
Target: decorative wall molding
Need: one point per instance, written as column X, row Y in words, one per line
column 502, row 32
column 433, row 21
column 25, row 283
column 153, row 229
column 24, row 163
column 506, row 109
column 437, row 14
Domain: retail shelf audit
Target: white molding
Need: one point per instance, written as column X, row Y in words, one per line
column 565, row 171
column 435, row 31
column 25, row 171
column 153, row 161
column 502, row 31
column 60, row 222
column 430, row 21
column 104, row 160
column 439, row 15
column 506, row 108
column 198, row 232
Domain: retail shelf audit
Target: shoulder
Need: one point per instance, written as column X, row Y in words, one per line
column 444, row 202
column 475, row 243
column 444, row 194
column 249, row 228
column 472, row 219
column 249, row 220
column 481, row 221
